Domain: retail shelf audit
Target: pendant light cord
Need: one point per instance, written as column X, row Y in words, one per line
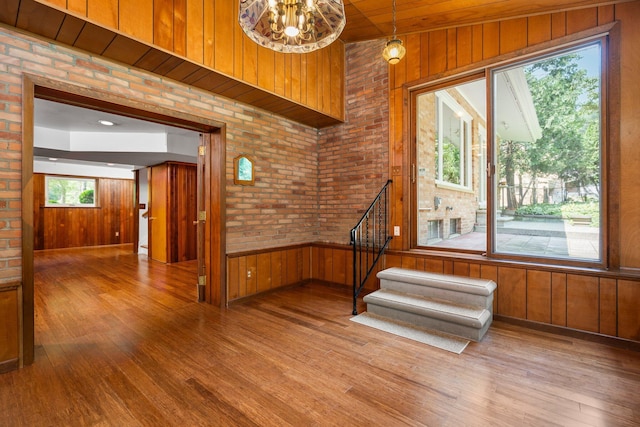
column 394, row 19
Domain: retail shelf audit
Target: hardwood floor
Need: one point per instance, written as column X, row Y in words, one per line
column 121, row 341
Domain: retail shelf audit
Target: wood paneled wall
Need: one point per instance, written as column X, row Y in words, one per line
column 251, row 273
column 74, row 227
column 9, row 326
column 334, row 263
column 207, row 32
column 600, row 302
column 440, row 53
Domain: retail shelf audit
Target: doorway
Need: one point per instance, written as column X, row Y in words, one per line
column 212, row 285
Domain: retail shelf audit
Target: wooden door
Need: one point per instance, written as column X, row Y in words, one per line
column 202, row 197
column 158, row 212
column 182, row 212
column 211, row 228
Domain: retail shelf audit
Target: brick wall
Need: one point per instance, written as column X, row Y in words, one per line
column 353, row 157
column 281, row 209
column 463, row 201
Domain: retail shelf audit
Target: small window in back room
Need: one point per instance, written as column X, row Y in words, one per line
column 62, row 191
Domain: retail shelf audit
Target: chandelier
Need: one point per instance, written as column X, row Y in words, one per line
column 394, row 51
column 292, row 26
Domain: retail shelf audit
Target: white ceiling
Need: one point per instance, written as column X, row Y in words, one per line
column 515, row 116
column 68, row 118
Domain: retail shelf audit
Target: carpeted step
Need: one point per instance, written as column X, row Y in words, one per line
column 462, row 290
column 427, row 336
column 463, row 320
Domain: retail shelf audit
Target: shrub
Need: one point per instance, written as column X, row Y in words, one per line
column 86, row 197
column 564, row 210
column 540, row 209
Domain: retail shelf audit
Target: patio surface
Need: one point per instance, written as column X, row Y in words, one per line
column 550, row 239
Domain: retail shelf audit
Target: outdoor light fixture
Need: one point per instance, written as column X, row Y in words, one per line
column 292, row 26
column 394, row 51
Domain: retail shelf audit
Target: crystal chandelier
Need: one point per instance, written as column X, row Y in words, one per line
column 297, row 26
column 394, row 51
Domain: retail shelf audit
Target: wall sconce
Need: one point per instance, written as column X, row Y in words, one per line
column 437, row 201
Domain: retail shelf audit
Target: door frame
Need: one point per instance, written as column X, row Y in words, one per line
column 40, row 87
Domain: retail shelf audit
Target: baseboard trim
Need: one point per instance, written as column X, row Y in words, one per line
column 113, row 245
column 572, row 333
column 9, row 365
column 266, row 292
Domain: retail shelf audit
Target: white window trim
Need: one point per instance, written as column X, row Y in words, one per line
column 70, row 205
column 483, row 159
column 442, row 97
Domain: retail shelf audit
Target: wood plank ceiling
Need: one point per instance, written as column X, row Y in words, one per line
column 366, row 20
column 372, row 19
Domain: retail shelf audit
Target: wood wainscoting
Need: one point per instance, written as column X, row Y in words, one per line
column 10, row 329
column 254, row 272
column 595, row 302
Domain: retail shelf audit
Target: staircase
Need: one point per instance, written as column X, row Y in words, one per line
column 369, row 238
column 461, row 306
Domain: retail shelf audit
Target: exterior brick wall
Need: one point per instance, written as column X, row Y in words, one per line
column 281, row 209
column 353, row 157
column 465, row 203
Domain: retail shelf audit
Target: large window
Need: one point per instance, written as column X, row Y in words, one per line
column 449, row 132
column 543, row 195
column 62, row 191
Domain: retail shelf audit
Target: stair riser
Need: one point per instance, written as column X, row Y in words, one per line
column 445, row 294
column 468, row 332
column 447, row 313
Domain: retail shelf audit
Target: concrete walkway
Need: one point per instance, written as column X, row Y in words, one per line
column 551, row 239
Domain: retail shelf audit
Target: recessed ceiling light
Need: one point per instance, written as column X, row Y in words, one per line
column 111, row 164
column 106, row 123
column 53, row 159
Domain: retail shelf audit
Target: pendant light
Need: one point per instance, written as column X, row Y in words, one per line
column 394, row 51
column 292, row 26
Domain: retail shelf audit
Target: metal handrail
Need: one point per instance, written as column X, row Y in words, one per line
column 370, row 237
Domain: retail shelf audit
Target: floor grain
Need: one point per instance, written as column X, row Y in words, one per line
column 121, row 341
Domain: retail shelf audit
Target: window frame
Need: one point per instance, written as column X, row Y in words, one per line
column 238, row 179
column 465, row 140
column 47, row 177
column 608, row 255
column 492, row 183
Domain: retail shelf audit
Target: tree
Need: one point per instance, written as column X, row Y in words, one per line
column 58, row 190
column 566, row 101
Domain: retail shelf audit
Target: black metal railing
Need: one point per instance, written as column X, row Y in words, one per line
column 369, row 239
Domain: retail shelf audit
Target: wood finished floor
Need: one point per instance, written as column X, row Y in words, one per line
column 120, row 341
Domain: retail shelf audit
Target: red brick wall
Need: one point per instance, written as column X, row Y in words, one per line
column 281, row 209
column 353, row 157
